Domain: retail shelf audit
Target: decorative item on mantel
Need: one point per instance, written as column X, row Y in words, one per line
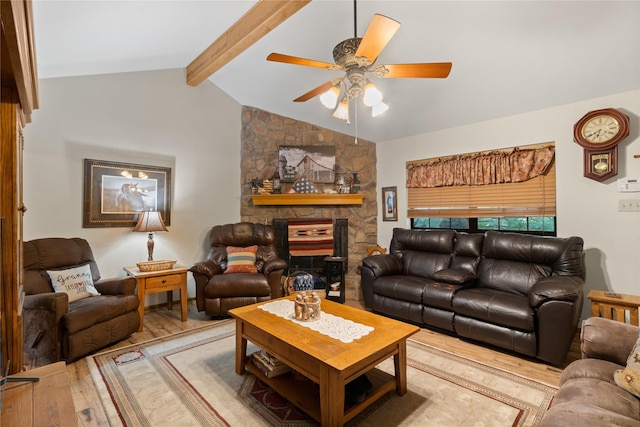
column 276, row 182
column 149, row 222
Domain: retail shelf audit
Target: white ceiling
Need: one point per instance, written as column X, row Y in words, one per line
column 509, row 57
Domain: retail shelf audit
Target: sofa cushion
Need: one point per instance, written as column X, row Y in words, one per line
column 403, row 288
column 92, row 311
column 438, row 294
column 629, row 377
column 237, row 285
column 495, row 307
column 601, row 394
column 468, row 249
column 510, row 276
column 425, row 264
column 76, row 282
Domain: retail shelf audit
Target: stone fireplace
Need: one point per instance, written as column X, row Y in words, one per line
column 262, row 135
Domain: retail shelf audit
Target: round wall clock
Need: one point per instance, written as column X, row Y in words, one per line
column 599, row 132
column 601, row 129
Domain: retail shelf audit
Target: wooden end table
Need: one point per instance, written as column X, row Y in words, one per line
column 150, row 282
column 326, row 361
column 614, row 306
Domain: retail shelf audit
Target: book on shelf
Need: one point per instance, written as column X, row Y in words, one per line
column 269, row 365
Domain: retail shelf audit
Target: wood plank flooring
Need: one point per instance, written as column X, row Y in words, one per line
column 161, row 322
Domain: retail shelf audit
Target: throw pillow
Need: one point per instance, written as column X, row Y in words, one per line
column 629, row 377
column 241, row 260
column 76, row 282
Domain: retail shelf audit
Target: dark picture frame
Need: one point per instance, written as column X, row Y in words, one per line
column 316, row 162
column 389, row 203
column 115, row 193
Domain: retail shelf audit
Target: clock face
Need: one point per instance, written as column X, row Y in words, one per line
column 600, row 129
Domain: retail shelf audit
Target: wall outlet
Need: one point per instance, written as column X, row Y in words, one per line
column 629, row 205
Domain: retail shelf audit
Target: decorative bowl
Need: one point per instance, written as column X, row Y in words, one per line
column 147, row 266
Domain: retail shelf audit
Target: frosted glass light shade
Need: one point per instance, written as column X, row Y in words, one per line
column 342, row 112
column 372, row 96
column 330, row 98
column 378, row 109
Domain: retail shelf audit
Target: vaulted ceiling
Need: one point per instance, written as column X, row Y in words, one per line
column 509, row 57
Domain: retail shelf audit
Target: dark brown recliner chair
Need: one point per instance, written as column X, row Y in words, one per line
column 56, row 329
column 216, row 292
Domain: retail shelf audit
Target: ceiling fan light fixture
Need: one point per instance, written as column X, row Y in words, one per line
column 372, row 96
column 378, row 109
column 342, row 112
column 330, row 98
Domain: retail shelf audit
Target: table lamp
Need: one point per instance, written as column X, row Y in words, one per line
column 149, row 222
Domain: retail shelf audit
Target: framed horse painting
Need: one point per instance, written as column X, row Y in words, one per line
column 115, row 193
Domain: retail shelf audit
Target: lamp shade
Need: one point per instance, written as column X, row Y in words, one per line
column 150, row 221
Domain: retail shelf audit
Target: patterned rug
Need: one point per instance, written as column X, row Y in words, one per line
column 188, row 379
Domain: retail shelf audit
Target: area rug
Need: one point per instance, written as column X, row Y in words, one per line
column 188, row 379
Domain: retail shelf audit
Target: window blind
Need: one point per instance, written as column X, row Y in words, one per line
column 534, row 197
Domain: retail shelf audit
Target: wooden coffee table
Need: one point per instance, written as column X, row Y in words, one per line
column 326, row 361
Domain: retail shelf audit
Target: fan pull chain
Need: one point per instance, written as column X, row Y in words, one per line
column 356, row 120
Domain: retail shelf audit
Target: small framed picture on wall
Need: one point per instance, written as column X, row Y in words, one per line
column 389, row 203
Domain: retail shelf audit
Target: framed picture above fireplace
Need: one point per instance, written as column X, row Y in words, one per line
column 318, row 163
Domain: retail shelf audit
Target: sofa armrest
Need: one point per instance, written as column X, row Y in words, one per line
column 208, row 269
column 383, row 265
column 42, row 314
column 557, row 288
column 55, row 302
column 455, row 276
column 116, row 286
column 274, row 264
column 607, row 339
column 202, row 272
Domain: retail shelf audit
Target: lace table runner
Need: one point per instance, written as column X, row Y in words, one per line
column 332, row 326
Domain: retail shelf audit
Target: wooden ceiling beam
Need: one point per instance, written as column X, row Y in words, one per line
column 263, row 17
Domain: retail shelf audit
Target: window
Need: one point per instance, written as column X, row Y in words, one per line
column 540, row 225
column 511, row 190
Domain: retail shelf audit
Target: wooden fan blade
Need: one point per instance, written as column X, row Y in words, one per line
column 278, row 57
column 428, row 70
column 315, row 92
column 378, row 34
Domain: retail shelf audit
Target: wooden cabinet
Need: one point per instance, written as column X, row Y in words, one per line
column 18, row 98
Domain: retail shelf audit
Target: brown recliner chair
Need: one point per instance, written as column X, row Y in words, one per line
column 56, row 329
column 216, row 292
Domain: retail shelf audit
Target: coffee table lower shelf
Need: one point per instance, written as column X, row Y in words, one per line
column 306, row 394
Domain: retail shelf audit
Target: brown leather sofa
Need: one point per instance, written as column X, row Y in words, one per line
column 216, row 292
column 588, row 394
column 56, row 329
column 519, row 292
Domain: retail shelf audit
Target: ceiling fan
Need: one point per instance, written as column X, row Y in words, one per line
column 357, row 56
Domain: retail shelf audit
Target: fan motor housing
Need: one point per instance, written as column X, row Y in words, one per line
column 344, row 53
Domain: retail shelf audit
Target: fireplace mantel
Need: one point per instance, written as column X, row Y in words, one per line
column 307, row 199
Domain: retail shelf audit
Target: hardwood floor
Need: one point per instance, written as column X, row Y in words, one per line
column 161, row 322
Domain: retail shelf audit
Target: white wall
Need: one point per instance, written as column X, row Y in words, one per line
column 149, row 118
column 585, row 208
